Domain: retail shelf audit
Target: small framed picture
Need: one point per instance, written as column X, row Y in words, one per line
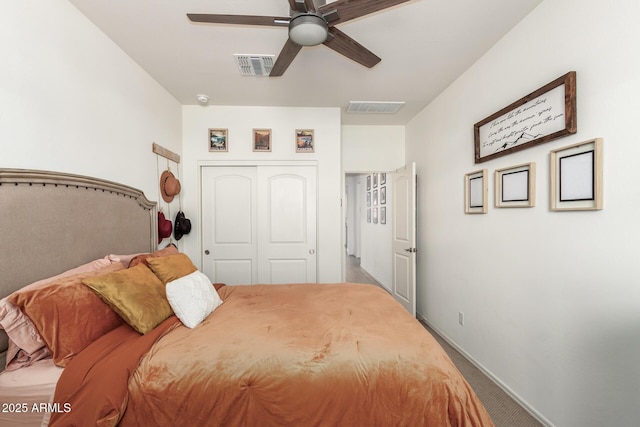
column 475, row 192
column 218, row 140
column 515, row 186
column 304, row 141
column 576, row 176
column 262, row 140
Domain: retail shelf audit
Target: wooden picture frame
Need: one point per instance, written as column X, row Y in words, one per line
column 515, row 186
column 262, row 140
column 576, row 176
column 305, row 142
column 542, row 116
column 476, row 192
column 218, row 140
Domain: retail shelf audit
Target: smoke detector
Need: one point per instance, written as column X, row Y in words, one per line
column 202, row 99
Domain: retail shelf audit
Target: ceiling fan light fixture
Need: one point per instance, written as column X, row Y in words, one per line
column 308, row 29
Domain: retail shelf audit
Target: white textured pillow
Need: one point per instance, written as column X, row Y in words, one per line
column 192, row 298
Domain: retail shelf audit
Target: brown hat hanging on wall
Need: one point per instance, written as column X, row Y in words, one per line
column 182, row 226
column 164, row 227
column 169, row 186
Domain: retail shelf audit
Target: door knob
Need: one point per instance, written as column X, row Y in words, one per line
column 312, row 251
column 206, row 252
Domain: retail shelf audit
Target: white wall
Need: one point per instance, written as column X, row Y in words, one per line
column 72, row 101
column 551, row 299
column 283, row 122
column 372, row 148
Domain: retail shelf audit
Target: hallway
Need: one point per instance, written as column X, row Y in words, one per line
column 357, row 274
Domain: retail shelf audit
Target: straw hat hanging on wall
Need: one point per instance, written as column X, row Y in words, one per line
column 169, row 186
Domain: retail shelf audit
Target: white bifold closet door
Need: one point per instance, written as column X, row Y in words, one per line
column 259, row 224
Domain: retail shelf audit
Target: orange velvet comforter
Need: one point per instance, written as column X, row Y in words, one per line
column 300, row 355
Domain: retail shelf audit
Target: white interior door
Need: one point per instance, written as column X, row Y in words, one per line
column 259, row 224
column 404, row 237
column 229, row 231
column 287, row 214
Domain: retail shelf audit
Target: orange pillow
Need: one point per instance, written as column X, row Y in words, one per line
column 68, row 315
column 142, row 258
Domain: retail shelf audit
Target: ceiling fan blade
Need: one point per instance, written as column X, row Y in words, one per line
column 276, row 21
column 310, row 6
column 351, row 9
column 302, row 6
column 345, row 45
column 288, row 52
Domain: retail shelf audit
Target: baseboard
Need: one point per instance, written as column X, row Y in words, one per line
column 378, row 282
column 490, row 375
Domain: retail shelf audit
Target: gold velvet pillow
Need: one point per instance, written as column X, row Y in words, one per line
column 136, row 294
column 171, row 267
column 67, row 314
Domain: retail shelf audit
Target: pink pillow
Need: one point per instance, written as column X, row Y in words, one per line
column 125, row 260
column 94, row 265
column 25, row 343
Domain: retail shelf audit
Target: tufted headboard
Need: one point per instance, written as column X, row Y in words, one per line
column 51, row 222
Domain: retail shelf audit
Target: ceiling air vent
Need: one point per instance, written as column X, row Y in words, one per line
column 374, row 107
column 255, row 65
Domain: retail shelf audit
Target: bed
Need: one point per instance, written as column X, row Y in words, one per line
column 268, row 355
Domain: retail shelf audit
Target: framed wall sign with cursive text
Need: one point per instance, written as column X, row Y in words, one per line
column 542, row 116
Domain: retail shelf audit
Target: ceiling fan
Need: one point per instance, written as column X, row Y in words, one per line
column 311, row 25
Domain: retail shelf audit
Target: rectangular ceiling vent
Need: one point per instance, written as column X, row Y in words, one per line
column 255, row 65
column 374, row 107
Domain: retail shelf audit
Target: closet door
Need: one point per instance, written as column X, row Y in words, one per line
column 259, row 224
column 287, row 221
column 229, row 232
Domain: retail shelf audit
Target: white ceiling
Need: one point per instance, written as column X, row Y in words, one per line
column 424, row 45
